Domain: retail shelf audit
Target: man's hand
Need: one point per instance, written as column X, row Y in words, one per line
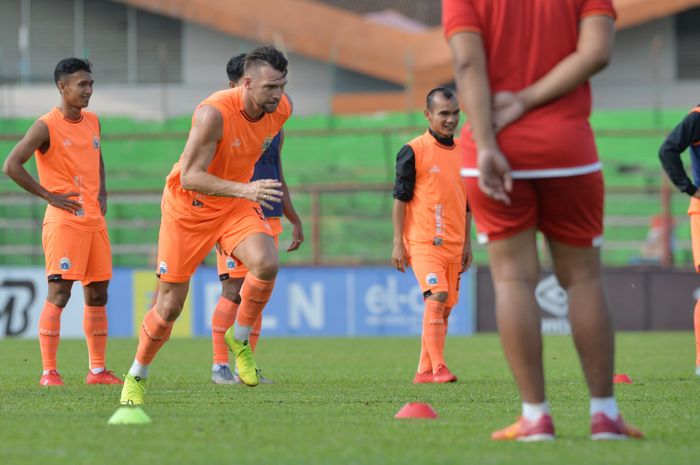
column 264, row 191
column 64, row 202
column 398, row 257
column 467, row 256
column 494, row 174
column 508, row 107
column 102, row 198
column 297, row 237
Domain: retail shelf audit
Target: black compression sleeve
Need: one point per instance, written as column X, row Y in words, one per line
column 405, row 174
column 682, row 136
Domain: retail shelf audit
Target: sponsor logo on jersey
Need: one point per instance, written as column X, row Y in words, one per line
column 431, row 279
column 67, row 142
column 266, row 143
column 64, row 264
column 162, row 268
column 236, row 142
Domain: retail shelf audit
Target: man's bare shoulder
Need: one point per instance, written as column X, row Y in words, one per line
column 208, row 115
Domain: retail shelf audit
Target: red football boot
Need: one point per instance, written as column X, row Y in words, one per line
column 52, row 378
column 443, row 375
column 527, row 431
column 104, row 377
column 605, row 429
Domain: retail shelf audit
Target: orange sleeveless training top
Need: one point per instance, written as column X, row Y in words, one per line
column 436, row 215
column 72, row 164
column 240, row 147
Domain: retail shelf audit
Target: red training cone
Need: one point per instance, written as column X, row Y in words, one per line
column 621, row 379
column 416, row 410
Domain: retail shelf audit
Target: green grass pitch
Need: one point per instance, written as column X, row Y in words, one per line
column 333, row 403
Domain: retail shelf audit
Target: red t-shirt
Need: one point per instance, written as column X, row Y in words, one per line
column 523, row 41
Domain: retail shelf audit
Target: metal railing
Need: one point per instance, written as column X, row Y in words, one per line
column 337, row 231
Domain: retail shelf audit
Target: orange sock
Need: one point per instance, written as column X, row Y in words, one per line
column 255, row 333
column 49, row 334
column 696, row 321
column 154, row 332
column 222, row 319
column 448, row 310
column 424, row 365
column 254, row 295
column 95, row 327
column 434, row 332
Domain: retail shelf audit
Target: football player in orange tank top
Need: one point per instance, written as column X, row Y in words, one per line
column 208, row 199
column 231, row 272
column 542, row 91
column 431, row 226
column 66, row 143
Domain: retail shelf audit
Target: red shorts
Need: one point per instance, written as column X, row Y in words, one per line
column 185, row 240
column 76, row 255
column 566, row 209
column 228, row 266
column 436, row 273
column 694, row 214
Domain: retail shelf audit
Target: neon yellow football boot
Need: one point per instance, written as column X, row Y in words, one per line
column 245, row 363
column 133, row 390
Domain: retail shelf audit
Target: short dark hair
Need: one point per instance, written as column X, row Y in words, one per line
column 69, row 66
column 234, row 67
column 444, row 91
column 268, row 55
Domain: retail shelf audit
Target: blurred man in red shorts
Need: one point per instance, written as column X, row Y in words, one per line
column 522, row 70
column 431, row 226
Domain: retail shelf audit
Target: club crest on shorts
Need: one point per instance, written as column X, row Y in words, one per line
column 162, row 268
column 64, row 264
column 266, row 143
column 230, row 263
column 431, row 279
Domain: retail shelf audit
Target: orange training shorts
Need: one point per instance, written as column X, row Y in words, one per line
column 186, row 239
column 230, row 267
column 76, row 255
column 436, row 273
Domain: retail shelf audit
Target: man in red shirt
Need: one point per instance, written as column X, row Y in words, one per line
column 522, row 71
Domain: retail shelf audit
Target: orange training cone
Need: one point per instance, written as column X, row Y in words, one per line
column 416, row 410
column 621, row 379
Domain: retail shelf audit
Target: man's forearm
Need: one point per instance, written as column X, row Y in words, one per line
column 468, row 228
column 103, row 181
column 595, row 43
column 567, row 75
column 208, row 184
column 25, row 180
column 287, row 208
column 398, row 217
column 673, row 166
